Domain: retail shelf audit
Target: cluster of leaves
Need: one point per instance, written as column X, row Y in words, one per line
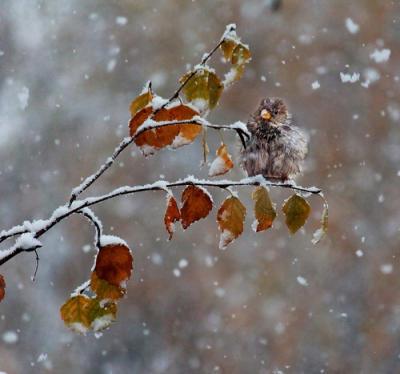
column 197, row 204
column 112, row 269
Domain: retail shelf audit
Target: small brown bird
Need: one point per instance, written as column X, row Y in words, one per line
column 276, row 149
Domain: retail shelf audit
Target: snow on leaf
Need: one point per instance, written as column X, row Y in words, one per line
column 114, row 264
column 321, row 232
column 157, row 138
column 2, row 287
column 264, row 209
column 203, row 89
column 296, row 210
column 197, row 204
column 222, row 163
column 172, row 215
column 230, row 220
column 75, row 313
column 101, row 316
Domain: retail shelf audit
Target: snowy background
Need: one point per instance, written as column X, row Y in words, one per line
column 68, row 71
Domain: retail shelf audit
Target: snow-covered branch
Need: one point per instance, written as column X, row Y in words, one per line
column 150, row 124
column 29, row 242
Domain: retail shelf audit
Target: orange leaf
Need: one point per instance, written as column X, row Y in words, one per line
column 172, row 215
column 264, row 209
column 197, row 204
column 230, row 220
column 2, row 287
column 163, row 136
column 105, row 290
column 114, row 264
column 222, row 164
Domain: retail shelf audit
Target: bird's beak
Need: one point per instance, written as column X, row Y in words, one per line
column 265, row 114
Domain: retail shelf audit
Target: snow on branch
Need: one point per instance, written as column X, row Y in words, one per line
column 28, row 241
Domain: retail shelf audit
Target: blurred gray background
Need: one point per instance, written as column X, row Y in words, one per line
column 68, row 71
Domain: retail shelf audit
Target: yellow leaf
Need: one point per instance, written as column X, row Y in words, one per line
column 264, row 210
column 296, row 210
column 76, row 313
column 140, row 102
column 222, row 163
column 230, row 220
column 197, row 204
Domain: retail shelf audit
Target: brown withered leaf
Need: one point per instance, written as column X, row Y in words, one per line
column 197, row 204
column 222, row 163
column 172, row 215
column 264, row 210
column 161, row 137
column 114, row 264
column 296, row 210
column 2, row 287
column 230, row 220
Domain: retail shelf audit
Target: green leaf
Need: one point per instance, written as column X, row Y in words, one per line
column 101, row 316
column 203, row 89
column 264, row 210
column 296, row 210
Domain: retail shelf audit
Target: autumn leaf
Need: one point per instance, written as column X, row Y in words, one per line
column 141, row 101
column 230, row 220
column 114, row 264
column 264, row 209
column 237, row 53
column 2, row 287
column 101, row 316
column 76, row 313
column 203, row 89
column 173, row 135
column 222, row 163
column 296, row 210
column 197, row 204
column 105, row 290
column 321, row 232
column 81, row 313
column 172, row 214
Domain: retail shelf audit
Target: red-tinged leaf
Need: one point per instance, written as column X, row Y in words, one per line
column 222, row 163
column 173, row 135
column 2, row 287
column 296, row 210
column 197, row 204
column 76, row 313
column 264, row 209
column 114, row 264
column 172, row 215
column 105, row 290
column 230, row 220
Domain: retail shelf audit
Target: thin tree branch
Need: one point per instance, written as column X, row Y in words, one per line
column 239, row 127
column 88, row 213
column 80, row 205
